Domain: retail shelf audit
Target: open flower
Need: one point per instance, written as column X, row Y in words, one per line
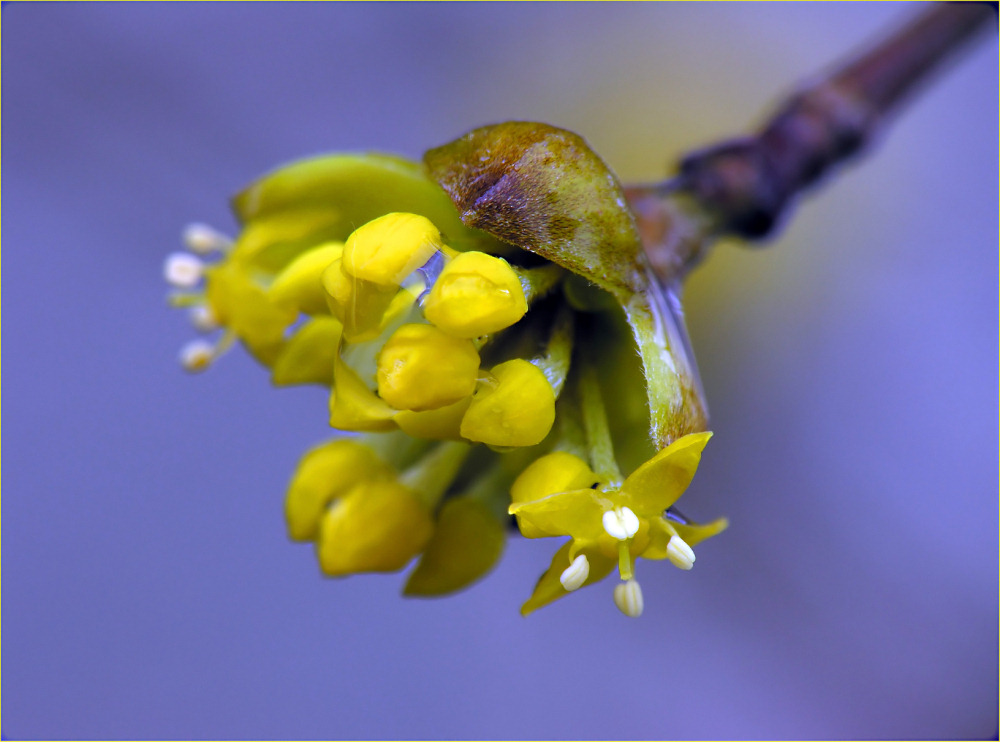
column 609, row 523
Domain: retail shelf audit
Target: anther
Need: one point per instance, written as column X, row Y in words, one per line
column 182, row 270
column 573, row 577
column 203, row 318
column 202, row 239
column 620, row 523
column 628, row 598
column 679, row 553
column 197, row 355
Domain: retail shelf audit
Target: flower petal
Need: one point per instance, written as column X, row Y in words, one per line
column 361, row 305
column 242, row 306
column 549, row 589
column 695, row 533
column 388, row 249
column 657, row 484
column 378, row 526
column 309, row 355
column 661, row 530
column 558, row 471
column 515, row 408
column 353, row 406
column 323, row 474
column 575, row 513
column 476, row 294
column 423, row 368
column 300, row 283
column 440, row 424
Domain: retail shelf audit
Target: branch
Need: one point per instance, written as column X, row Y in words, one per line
column 744, row 187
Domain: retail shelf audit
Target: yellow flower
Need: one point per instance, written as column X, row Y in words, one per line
column 467, row 314
column 611, row 523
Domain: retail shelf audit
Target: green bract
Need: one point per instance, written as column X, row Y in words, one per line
column 544, row 190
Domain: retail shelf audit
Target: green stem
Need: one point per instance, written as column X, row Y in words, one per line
column 397, row 448
column 595, row 422
column 491, row 489
column 537, row 282
column 433, row 474
column 558, row 351
column 571, row 437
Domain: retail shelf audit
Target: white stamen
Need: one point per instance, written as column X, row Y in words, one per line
column 573, row 577
column 202, row 239
column 182, row 270
column 628, row 598
column 679, row 553
column 203, row 318
column 197, row 355
column 620, row 523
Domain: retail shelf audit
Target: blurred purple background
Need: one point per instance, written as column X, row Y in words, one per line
column 851, row 369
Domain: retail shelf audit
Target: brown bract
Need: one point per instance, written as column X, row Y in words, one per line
column 543, row 189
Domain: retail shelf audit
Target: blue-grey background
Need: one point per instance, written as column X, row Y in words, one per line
column 851, row 369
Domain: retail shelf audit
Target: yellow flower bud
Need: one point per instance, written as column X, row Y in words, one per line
column 476, row 294
column 555, row 472
column 467, row 541
column 323, row 474
column 353, row 406
column 378, row 526
column 360, row 305
column 422, row 368
column 516, row 408
column 388, row 249
column 308, row 356
column 300, row 284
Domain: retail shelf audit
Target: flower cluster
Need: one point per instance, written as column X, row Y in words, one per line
column 474, row 318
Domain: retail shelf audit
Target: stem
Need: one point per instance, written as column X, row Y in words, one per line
column 558, row 352
column 537, row 282
column 430, row 477
column 492, row 489
column 595, row 422
column 744, row 186
column 571, row 436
